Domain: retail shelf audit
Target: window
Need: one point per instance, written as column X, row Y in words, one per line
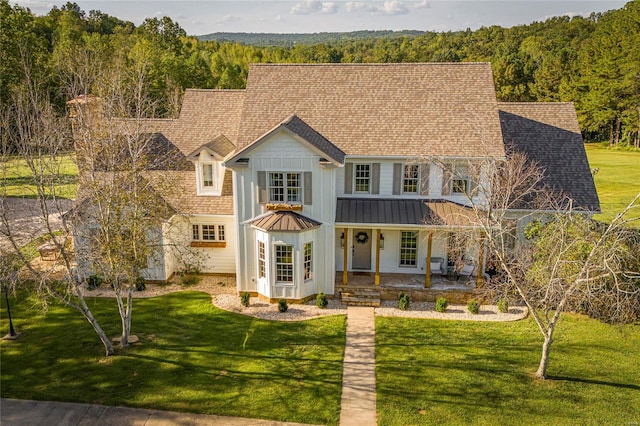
column 285, row 187
column 262, row 269
column 207, row 175
column 308, row 261
column 207, row 232
column 459, row 186
column 408, row 248
column 410, row 179
column 284, row 264
column 363, row 177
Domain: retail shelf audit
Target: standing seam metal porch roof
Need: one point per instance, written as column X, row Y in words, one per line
column 403, row 212
column 285, row 221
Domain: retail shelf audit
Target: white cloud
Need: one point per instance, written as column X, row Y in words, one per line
column 423, row 4
column 308, row 7
column 389, row 8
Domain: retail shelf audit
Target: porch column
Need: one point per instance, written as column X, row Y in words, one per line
column 345, row 273
column 376, row 279
column 427, row 277
column 480, row 262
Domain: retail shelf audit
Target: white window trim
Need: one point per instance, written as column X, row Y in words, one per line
column 275, row 266
column 403, row 177
column 217, row 172
column 216, row 231
column 355, row 178
column 400, row 248
column 262, row 260
column 285, row 187
column 467, row 184
column 304, row 262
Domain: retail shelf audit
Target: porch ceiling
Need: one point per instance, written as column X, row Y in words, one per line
column 403, row 212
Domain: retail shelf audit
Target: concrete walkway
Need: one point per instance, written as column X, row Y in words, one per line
column 358, row 406
column 15, row 412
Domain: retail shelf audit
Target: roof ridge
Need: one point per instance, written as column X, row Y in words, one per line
column 214, row 90
column 534, row 103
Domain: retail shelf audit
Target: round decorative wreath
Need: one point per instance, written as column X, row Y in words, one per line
column 362, row 238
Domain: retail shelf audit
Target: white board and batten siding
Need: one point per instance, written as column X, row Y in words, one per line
column 284, row 153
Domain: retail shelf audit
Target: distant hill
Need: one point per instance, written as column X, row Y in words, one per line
column 288, row 40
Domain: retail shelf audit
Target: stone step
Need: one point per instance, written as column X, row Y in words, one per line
column 358, row 301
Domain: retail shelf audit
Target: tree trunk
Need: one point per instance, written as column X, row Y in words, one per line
column 544, row 359
column 618, row 126
column 611, row 129
column 125, row 316
column 108, row 347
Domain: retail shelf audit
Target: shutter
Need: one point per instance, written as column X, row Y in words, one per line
column 375, row 178
column 308, row 193
column 446, row 179
column 397, row 178
column 262, row 187
column 424, row 179
column 348, row 178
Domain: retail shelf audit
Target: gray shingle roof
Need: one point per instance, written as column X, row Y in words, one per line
column 402, row 212
column 286, row 221
column 549, row 134
column 379, row 109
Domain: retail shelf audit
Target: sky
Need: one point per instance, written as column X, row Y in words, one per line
column 311, row 16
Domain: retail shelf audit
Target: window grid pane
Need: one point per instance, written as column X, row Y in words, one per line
column 459, row 186
column 410, row 180
column 408, row 248
column 195, row 232
column 220, row 232
column 308, row 261
column 208, row 232
column 362, row 177
column 261, row 260
column 284, row 264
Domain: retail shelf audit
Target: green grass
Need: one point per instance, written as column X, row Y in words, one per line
column 472, row 373
column 192, row 357
column 18, row 179
column 617, row 181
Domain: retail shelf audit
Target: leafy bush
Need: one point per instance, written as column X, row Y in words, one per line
column 94, row 281
column 473, row 306
column 322, row 300
column 245, row 299
column 441, row 304
column 141, row 285
column 403, row 302
column 282, row 305
column 503, row 305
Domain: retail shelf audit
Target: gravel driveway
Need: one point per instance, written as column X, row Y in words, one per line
column 25, row 218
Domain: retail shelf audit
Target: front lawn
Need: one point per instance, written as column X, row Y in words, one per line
column 62, row 173
column 192, row 357
column 617, row 179
column 465, row 373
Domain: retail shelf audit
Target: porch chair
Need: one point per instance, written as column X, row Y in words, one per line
column 437, row 266
column 468, row 270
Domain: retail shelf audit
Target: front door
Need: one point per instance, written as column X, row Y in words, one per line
column 361, row 249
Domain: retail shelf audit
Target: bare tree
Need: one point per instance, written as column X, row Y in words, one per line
column 35, row 140
column 570, row 262
column 121, row 215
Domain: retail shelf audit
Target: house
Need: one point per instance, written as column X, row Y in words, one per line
column 314, row 172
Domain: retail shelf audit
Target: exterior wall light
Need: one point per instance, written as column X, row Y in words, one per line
column 342, row 240
column 381, row 241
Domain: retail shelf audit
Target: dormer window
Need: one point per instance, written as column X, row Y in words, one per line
column 210, row 176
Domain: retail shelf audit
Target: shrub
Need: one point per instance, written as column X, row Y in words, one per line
column 473, row 306
column 282, row 305
column 503, row 305
column 403, row 302
column 245, row 298
column 441, row 304
column 94, row 281
column 188, row 280
column 322, row 300
column 141, row 285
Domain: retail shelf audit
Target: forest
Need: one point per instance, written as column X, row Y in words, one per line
column 593, row 61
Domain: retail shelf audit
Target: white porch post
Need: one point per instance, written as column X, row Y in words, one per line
column 345, row 273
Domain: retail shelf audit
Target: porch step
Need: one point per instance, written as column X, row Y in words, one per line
column 361, row 297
